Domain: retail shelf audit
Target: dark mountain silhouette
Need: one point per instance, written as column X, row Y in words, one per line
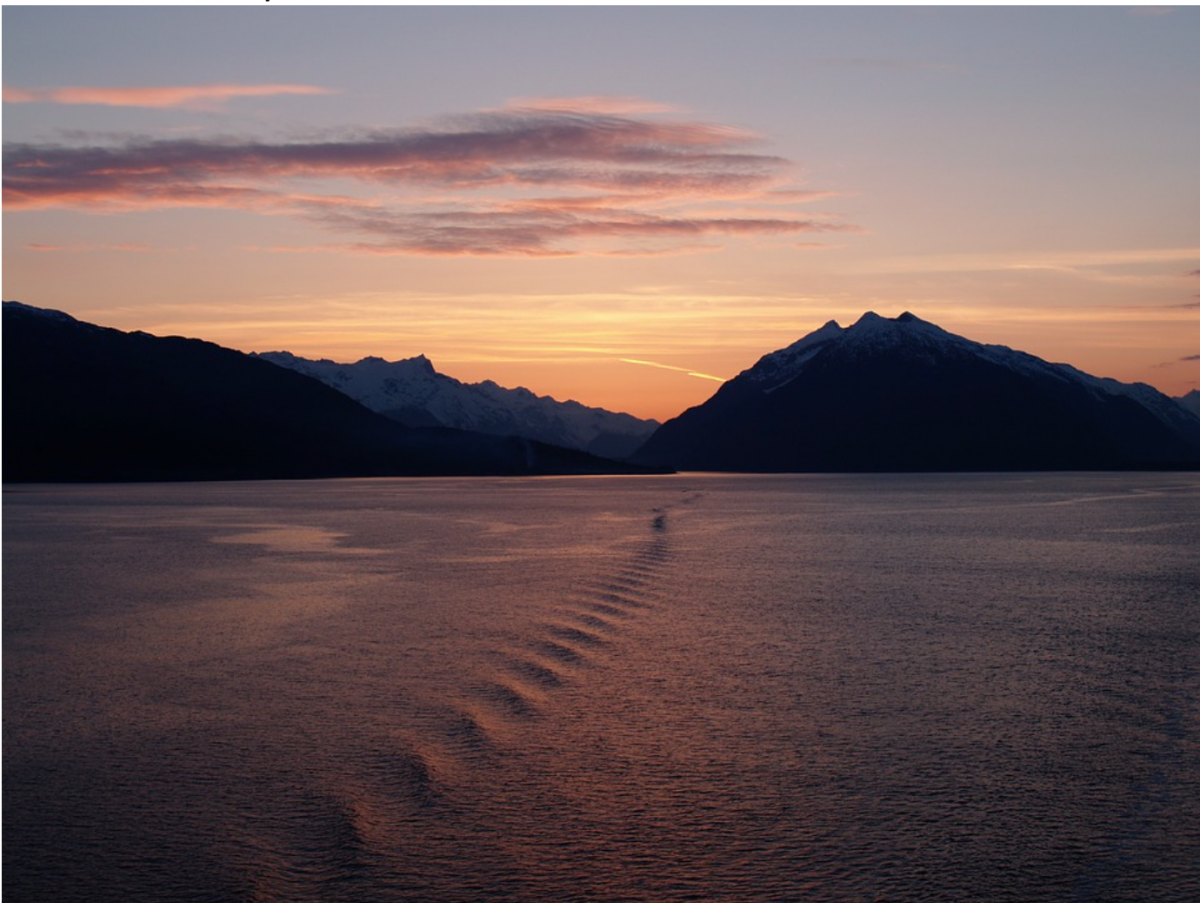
column 87, row 403
column 1191, row 401
column 904, row 395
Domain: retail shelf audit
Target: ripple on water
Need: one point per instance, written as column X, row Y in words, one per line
column 819, row 689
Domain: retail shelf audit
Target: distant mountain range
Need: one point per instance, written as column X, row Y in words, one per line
column 87, row 403
column 905, row 395
column 412, row 392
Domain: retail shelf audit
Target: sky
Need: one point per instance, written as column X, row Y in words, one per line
column 619, row 205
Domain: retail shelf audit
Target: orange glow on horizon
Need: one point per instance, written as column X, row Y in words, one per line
column 651, row 356
column 625, row 251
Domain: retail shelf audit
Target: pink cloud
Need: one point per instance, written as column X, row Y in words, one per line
column 547, row 233
column 521, row 181
column 185, row 96
column 550, row 149
column 796, row 196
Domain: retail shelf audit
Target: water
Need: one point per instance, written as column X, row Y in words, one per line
column 966, row 688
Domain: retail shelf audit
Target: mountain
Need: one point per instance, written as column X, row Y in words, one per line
column 905, row 395
column 1191, row 401
column 87, row 403
column 412, row 392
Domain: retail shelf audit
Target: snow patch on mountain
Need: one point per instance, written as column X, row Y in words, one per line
column 780, row 367
column 413, row 392
column 872, row 334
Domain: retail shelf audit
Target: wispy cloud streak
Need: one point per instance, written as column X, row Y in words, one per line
column 527, row 180
column 161, row 97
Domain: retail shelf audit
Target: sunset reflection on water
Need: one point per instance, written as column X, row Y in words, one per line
column 628, row 689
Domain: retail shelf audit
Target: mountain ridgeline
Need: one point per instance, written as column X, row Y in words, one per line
column 905, row 395
column 412, row 392
column 86, row 403
column 1191, row 401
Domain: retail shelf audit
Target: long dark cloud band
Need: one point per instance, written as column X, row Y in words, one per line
column 499, row 181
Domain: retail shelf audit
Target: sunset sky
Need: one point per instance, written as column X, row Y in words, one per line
column 618, row 205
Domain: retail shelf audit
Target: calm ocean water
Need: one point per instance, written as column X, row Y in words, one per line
column 916, row 688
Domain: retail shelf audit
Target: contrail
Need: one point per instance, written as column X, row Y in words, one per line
column 630, row 360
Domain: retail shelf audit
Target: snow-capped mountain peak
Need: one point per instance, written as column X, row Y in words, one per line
column 904, row 394
column 912, row 338
column 779, row 367
column 413, row 392
column 872, row 333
